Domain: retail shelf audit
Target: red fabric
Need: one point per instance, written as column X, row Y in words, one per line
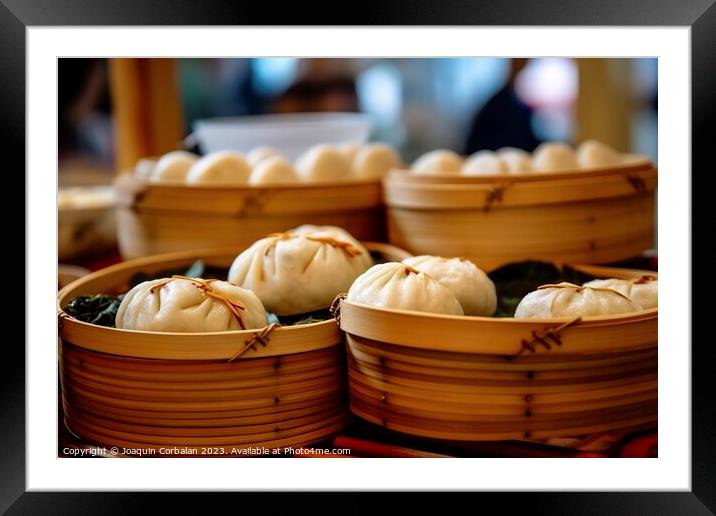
column 641, row 447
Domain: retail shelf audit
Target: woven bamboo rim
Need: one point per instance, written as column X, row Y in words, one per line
column 602, row 334
column 506, row 337
column 635, row 164
column 247, row 200
column 510, row 192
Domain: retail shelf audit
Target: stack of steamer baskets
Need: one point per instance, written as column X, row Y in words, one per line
column 199, row 393
column 475, row 378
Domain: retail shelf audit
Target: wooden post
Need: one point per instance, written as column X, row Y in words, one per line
column 147, row 109
column 604, row 103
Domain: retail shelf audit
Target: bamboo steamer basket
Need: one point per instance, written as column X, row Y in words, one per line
column 150, row 390
column 600, row 215
column 85, row 221
column 155, row 218
column 482, row 378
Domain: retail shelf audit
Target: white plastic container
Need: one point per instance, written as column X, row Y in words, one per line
column 290, row 134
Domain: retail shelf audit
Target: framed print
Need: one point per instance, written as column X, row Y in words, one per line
column 425, row 241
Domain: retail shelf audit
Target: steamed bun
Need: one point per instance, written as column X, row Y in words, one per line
column 400, row 286
column 257, row 154
column 569, row 300
column 274, row 169
column 322, row 163
column 596, row 154
column 440, row 160
column 471, row 286
column 349, row 150
column 173, row 166
column 554, row 156
column 189, row 305
column 643, row 291
column 220, row 167
column 483, row 162
column 374, row 161
column 517, row 161
column 296, row 273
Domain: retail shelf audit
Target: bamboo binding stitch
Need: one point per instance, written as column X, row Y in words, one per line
column 335, row 308
column 495, row 195
column 636, row 182
column 261, row 337
column 61, row 316
column 551, row 333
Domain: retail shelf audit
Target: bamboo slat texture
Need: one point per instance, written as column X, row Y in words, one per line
column 586, row 216
column 155, row 218
column 141, row 389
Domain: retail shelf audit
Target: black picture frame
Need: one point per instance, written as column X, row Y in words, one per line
column 699, row 15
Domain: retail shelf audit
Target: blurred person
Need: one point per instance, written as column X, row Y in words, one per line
column 84, row 110
column 504, row 120
column 324, row 85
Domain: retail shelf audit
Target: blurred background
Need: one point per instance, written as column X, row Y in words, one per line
column 464, row 104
